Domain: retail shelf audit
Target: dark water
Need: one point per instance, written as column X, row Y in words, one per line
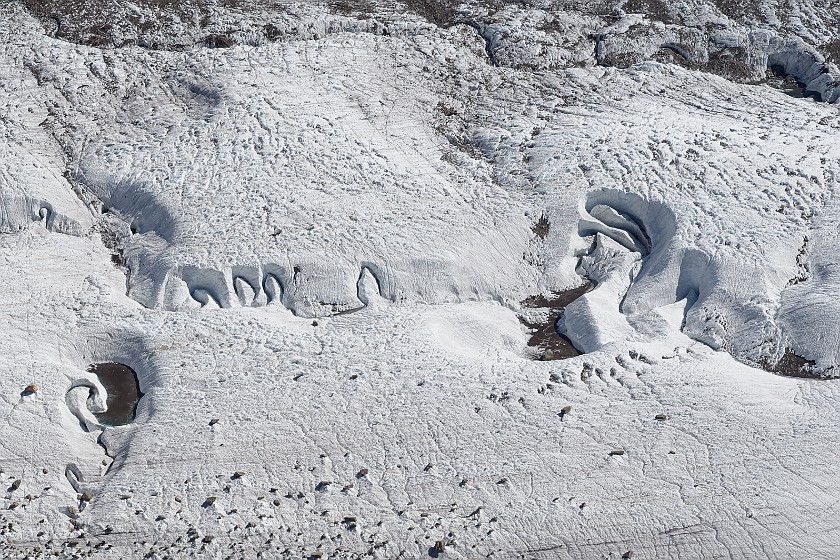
column 544, row 336
column 123, row 389
column 777, row 79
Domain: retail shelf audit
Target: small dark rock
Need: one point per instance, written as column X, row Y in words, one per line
column 209, row 501
column 438, row 549
column 218, row 41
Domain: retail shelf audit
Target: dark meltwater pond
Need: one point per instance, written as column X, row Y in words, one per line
column 123, row 390
column 550, row 344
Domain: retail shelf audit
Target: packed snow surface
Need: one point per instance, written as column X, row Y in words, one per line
column 313, row 255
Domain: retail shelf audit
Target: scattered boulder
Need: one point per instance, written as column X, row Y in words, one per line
column 217, row 41
column 438, row 549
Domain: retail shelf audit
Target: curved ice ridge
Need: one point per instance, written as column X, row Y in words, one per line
column 639, row 263
column 264, row 285
column 18, row 212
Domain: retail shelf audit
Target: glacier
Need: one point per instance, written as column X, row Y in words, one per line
column 314, row 234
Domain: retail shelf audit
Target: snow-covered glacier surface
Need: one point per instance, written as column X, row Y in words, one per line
column 316, row 240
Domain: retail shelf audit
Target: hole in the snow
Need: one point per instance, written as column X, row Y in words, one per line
column 789, row 85
column 123, row 390
column 550, row 344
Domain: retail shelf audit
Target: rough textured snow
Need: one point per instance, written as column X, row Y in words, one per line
column 312, row 247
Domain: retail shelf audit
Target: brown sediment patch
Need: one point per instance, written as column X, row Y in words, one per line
column 123, row 390
column 793, row 365
column 550, row 344
column 541, row 227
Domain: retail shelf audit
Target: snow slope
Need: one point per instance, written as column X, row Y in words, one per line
column 312, row 252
